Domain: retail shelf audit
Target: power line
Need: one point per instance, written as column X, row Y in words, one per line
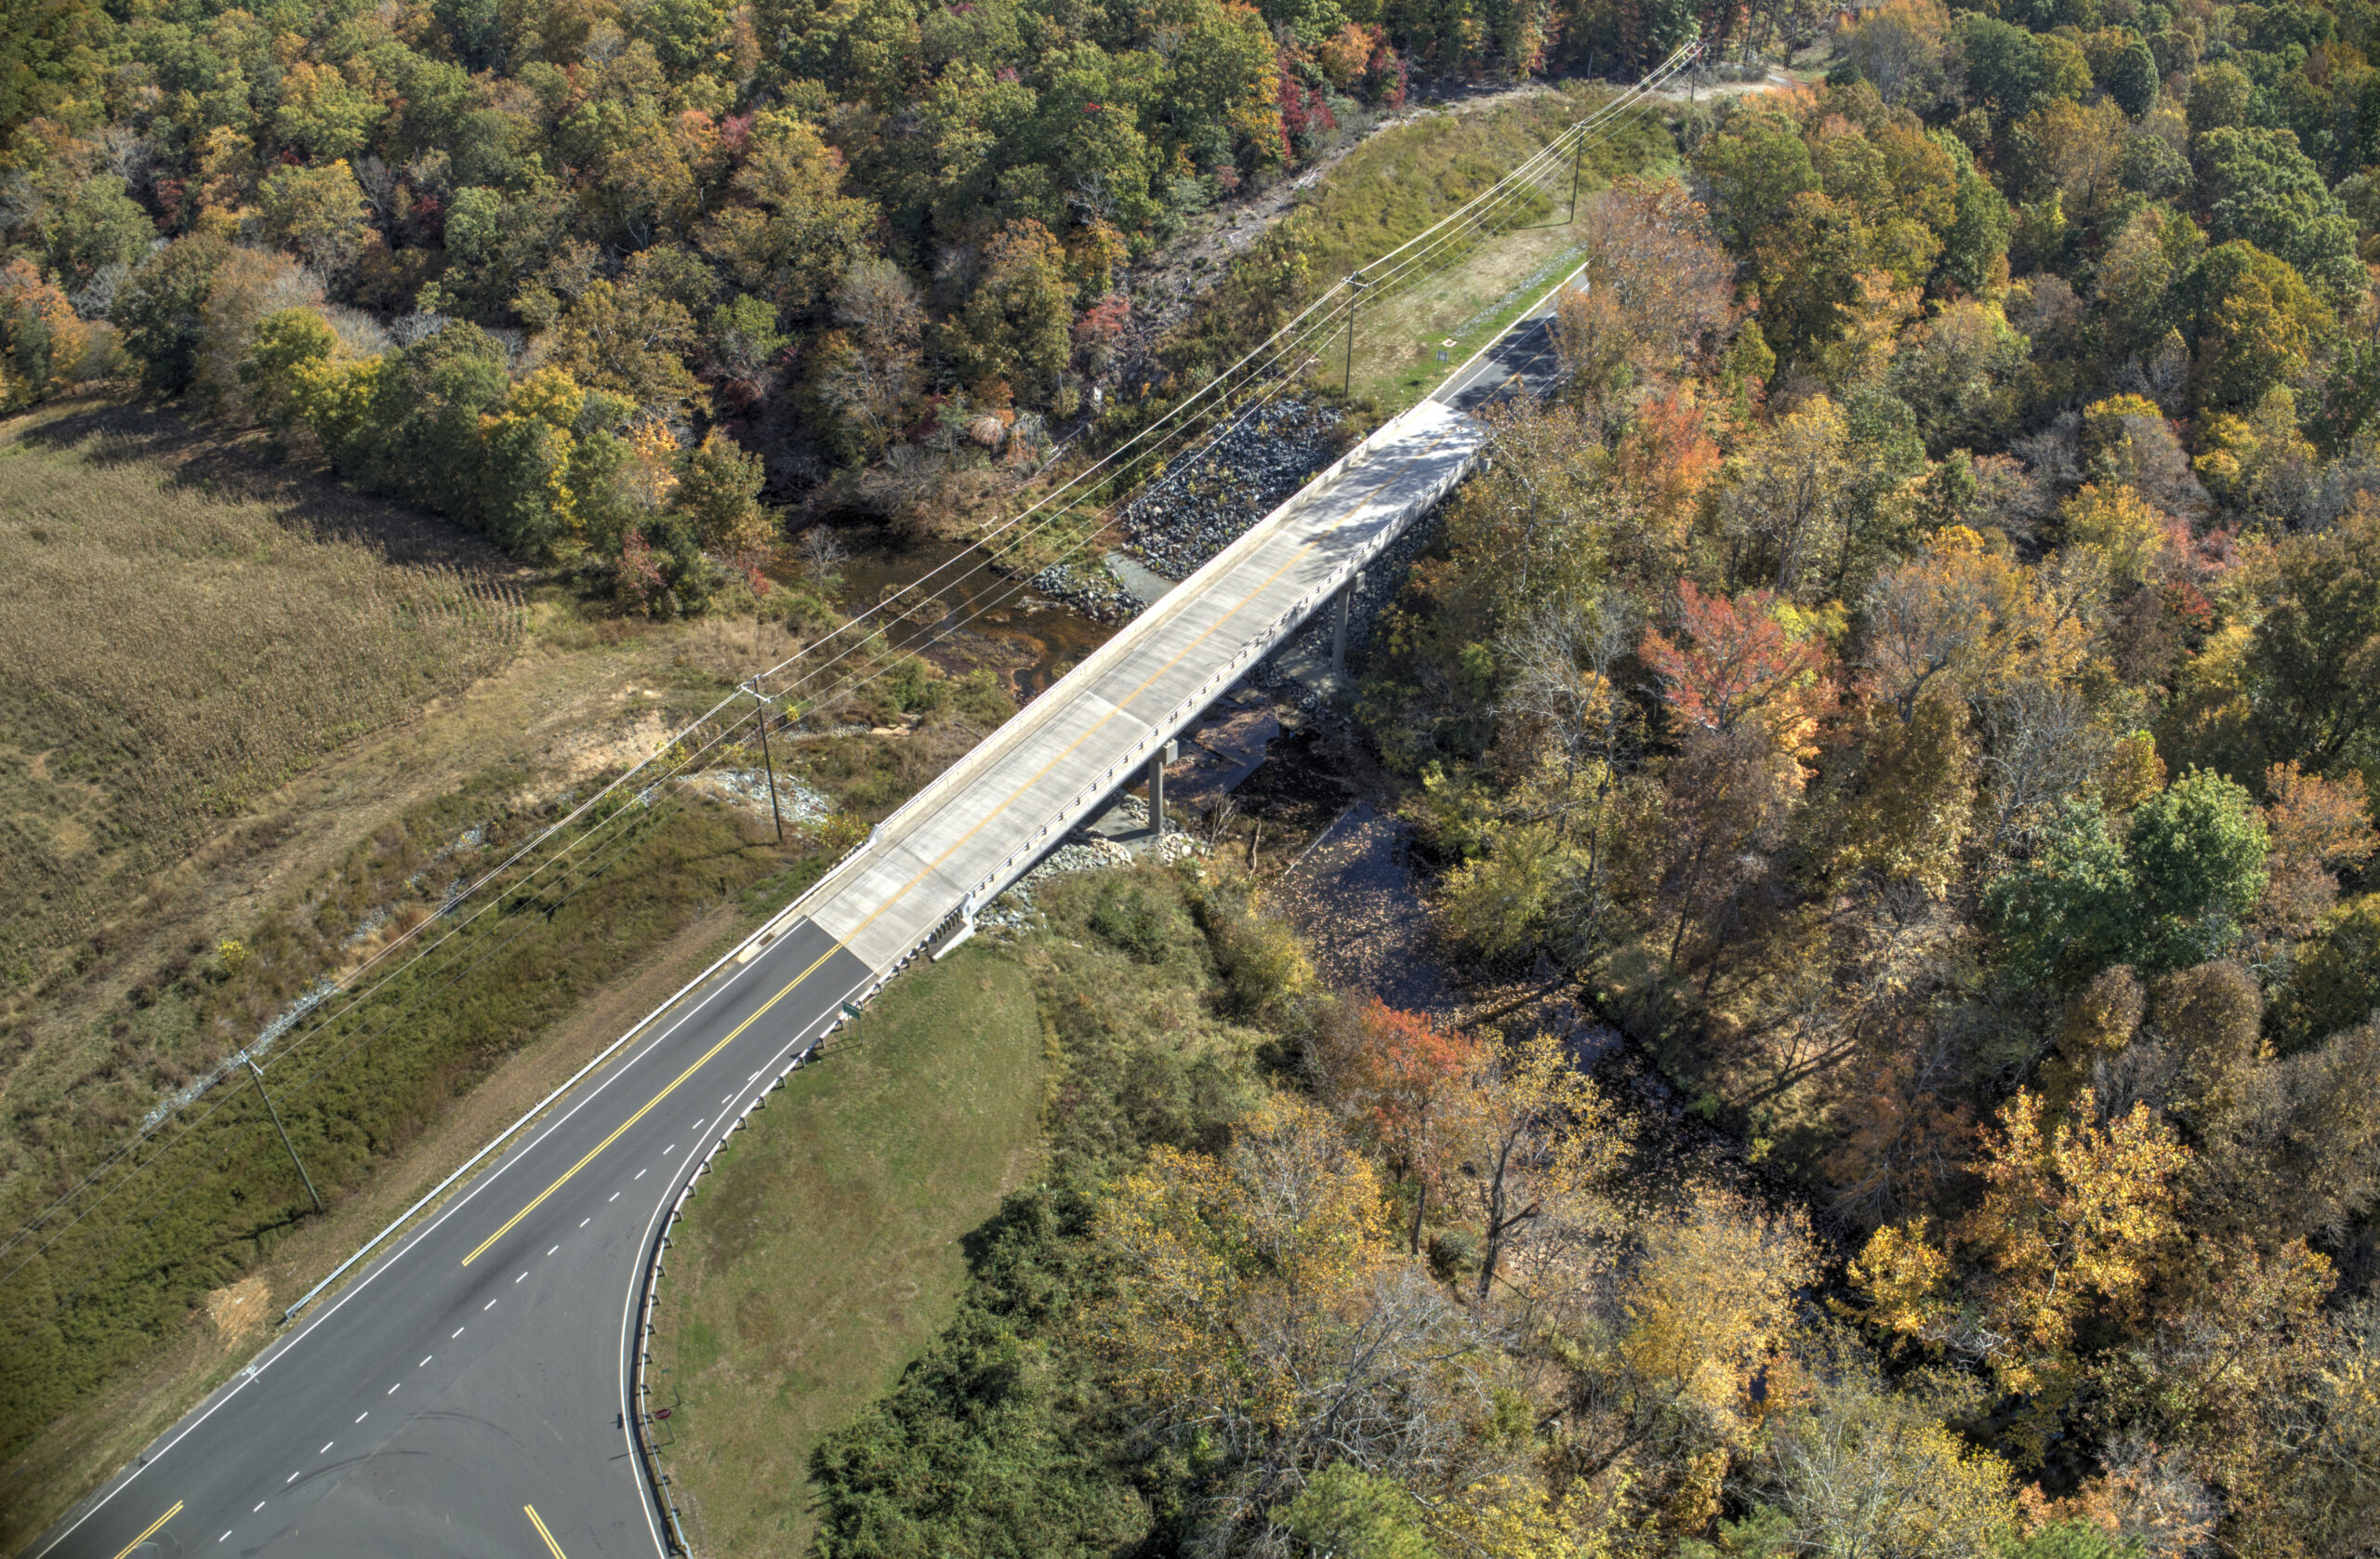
column 1285, row 353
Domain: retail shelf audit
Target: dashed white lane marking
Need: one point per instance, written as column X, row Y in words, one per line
column 488, row 1306
column 392, row 1389
column 259, row 1506
column 290, row 1479
column 223, row 1538
column 639, row 1175
column 698, row 1125
column 613, row 1197
column 362, row 1416
column 424, row 1359
column 670, row 1149
column 458, row 1331
column 584, row 1222
column 326, row 1448
column 556, row 1248
column 518, row 1279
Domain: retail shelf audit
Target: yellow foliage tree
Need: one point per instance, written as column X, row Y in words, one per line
column 1861, row 1468
column 1526, row 1141
column 2075, row 1222
column 1256, row 1311
column 1714, row 1302
column 2119, row 525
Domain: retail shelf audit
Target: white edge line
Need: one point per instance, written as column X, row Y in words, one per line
column 1452, row 383
column 801, row 1040
column 696, row 1162
column 768, row 930
column 272, row 1353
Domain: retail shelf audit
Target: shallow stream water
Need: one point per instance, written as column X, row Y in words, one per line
column 965, row 614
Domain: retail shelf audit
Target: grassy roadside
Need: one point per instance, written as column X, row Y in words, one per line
column 156, row 1328
column 1466, row 306
column 104, row 1342
column 823, row 1252
column 82, row 1447
column 1403, row 180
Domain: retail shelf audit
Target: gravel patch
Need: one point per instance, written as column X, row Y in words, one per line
column 1092, row 591
column 1014, row 910
column 1205, row 501
column 749, row 789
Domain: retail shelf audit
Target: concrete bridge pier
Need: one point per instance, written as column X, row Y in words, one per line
column 1342, row 605
column 1158, row 760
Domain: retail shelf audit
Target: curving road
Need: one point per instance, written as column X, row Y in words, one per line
column 1523, row 361
column 467, row 1395
column 470, row 1393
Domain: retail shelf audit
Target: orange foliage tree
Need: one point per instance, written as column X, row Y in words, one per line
column 1739, row 667
column 1391, row 1073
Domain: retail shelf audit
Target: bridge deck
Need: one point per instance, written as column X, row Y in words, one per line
column 508, row 1316
column 987, row 820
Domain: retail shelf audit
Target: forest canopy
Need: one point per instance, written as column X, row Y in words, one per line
column 824, row 232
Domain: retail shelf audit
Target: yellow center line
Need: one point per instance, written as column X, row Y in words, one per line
column 649, row 1104
column 551, row 1547
column 152, row 1529
column 931, row 866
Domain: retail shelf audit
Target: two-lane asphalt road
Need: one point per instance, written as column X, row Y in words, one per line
column 470, row 1393
column 421, row 1410
column 1523, row 361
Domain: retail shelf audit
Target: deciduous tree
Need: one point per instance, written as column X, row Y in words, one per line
column 2313, row 660
column 2075, row 1222
column 1527, row 1140
column 1739, row 668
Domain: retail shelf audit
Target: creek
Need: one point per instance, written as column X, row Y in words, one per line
column 966, row 616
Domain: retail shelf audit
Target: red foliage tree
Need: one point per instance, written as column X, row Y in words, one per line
column 1739, row 666
column 1391, row 1072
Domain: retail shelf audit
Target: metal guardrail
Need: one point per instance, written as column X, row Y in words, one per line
column 1015, row 865
column 648, row 1299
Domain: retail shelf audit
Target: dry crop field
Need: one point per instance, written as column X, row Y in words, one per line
column 168, row 656
column 252, row 728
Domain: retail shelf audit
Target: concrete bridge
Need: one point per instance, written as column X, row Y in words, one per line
column 476, row 1389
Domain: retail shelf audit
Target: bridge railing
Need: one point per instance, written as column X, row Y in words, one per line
column 1019, row 728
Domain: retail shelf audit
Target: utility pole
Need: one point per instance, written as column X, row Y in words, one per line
column 259, row 1073
column 753, row 687
column 1165, row 753
column 1355, row 285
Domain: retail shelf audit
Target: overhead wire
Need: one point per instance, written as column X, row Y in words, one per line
column 324, row 1013
column 1585, row 132
column 1449, row 230
column 1317, row 319
column 249, row 1129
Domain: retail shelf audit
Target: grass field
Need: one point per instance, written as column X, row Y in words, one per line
column 1404, row 180
column 823, row 1251
column 351, row 709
